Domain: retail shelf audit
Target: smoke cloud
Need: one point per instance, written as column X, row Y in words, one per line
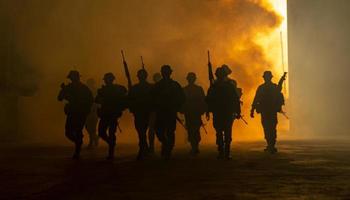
column 56, row 36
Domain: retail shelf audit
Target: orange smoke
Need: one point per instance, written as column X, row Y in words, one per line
column 56, row 35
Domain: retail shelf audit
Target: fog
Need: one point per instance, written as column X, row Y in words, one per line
column 52, row 37
column 319, row 67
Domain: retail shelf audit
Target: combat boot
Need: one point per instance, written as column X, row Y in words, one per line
column 221, row 152
column 228, row 152
column 110, row 152
column 76, row 155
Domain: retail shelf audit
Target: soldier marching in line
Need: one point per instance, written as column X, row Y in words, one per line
column 224, row 103
column 92, row 118
column 168, row 98
column 193, row 109
column 140, row 105
column 80, row 100
column 112, row 100
column 268, row 102
column 152, row 119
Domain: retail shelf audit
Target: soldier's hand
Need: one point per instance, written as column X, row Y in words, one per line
column 252, row 113
column 207, row 116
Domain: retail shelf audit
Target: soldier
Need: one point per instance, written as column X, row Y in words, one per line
column 79, row 99
column 112, row 100
column 228, row 72
column 152, row 120
column 140, row 106
column 224, row 103
column 168, row 98
column 268, row 102
column 193, row 109
column 92, row 118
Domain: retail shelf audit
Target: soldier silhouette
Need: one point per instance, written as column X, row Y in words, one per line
column 268, row 102
column 80, row 100
column 193, row 109
column 224, row 103
column 140, row 106
column 112, row 100
column 152, row 120
column 168, row 97
column 92, row 118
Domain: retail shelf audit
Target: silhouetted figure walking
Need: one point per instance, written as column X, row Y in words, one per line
column 140, row 105
column 193, row 109
column 152, row 120
column 80, row 100
column 224, row 103
column 92, row 118
column 268, row 102
column 168, row 97
column 112, row 100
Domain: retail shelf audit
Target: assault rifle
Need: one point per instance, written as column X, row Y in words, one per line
column 210, row 70
column 142, row 64
column 126, row 69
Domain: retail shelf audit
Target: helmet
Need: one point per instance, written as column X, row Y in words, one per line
column 191, row 76
column 267, row 74
column 109, row 76
column 219, row 72
column 166, row 69
column 142, row 73
column 226, row 69
column 73, row 74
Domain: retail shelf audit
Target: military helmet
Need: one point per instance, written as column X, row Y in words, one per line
column 226, row 69
column 109, row 76
column 267, row 74
column 142, row 73
column 191, row 76
column 219, row 72
column 166, row 69
column 73, row 74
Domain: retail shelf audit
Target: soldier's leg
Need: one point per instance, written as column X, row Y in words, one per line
column 217, row 122
column 91, row 129
column 195, row 139
column 102, row 129
column 160, row 129
column 171, row 127
column 79, row 122
column 112, row 129
column 228, row 137
column 269, row 122
column 273, row 132
column 141, row 124
column 69, row 128
column 151, row 132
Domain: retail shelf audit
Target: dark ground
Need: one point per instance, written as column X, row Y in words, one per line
column 302, row 170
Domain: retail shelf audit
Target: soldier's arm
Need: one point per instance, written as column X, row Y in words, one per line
column 256, row 99
column 124, row 97
column 98, row 98
column 62, row 93
column 181, row 95
column 237, row 103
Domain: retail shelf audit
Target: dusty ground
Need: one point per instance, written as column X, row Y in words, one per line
column 302, row 170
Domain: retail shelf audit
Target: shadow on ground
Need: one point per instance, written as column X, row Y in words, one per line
column 301, row 170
